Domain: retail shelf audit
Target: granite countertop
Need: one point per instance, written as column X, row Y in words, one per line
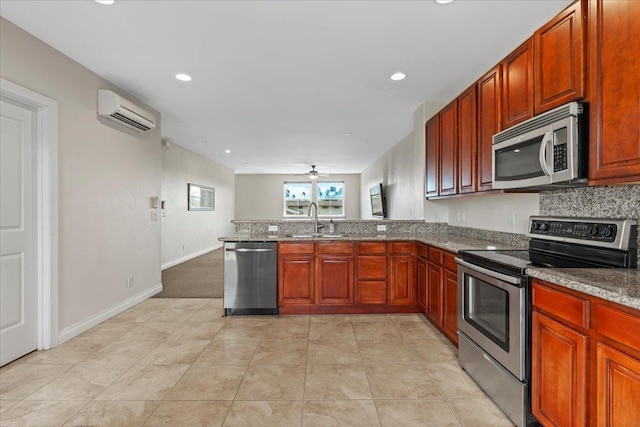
column 619, row 285
column 449, row 242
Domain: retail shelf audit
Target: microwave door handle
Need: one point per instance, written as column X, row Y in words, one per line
column 543, row 153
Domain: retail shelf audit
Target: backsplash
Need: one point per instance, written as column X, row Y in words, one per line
column 614, row 201
column 342, row 226
column 513, row 239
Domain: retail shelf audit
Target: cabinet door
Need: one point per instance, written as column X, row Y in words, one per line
column 421, row 272
column 618, row 388
column 334, row 279
column 559, row 65
column 517, row 85
column 434, row 293
column 450, row 305
column 559, row 373
column 449, row 149
column 432, row 153
column 401, row 281
column 295, row 280
column 614, row 91
column 489, row 123
column 468, row 138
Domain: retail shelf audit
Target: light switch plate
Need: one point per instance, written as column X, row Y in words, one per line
column 273, row 229
column 381, row 227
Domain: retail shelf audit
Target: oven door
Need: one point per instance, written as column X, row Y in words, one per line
column 491, row 312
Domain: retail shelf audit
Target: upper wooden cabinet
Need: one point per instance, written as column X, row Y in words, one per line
column 489, row 123
column 448, row 143
column 432, row 153
column 614, row 91
column 467, row 141
column 517, row 85
column 559, row 64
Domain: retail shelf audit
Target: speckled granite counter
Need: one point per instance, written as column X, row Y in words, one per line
column 449, row 242
column 617, row 285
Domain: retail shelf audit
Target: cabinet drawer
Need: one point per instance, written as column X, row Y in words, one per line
column 401, row 248
column 422, row 250
column 295, row 248
column 564, row 306
column 450, row 261
column 618, row 325
column 335, row 247
column 435, row 255
column 372, row 292
column 372, row 248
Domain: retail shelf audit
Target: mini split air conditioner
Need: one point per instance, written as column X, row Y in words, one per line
column 124, row 112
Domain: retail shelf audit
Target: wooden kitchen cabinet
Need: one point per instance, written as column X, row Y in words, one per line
column 448, row 142
column 434, row 286
column 450, row 305
column 372, row 272
column 296, row 273
column 401, row 279
column 517, row 85
column 585, row 359
column 432, row 155
column 489, row 123
column 559, row 373
column 559, row 63
column 467, row 141
column 441, row 292
column 421, row 276
column 614, row 91
column 334, row 279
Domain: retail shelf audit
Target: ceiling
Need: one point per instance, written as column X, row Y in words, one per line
column 286, row 84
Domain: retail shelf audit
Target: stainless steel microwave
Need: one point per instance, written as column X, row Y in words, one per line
column 546, row 151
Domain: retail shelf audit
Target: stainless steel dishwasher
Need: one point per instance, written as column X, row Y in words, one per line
column 250, row 278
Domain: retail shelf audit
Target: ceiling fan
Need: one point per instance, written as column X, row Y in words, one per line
column 313, row 173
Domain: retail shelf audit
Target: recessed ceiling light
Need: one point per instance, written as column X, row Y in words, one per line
column 398, row 76
column 443, row 1
column 227, row 151
column 347, row 134
column 183, row 77
column 105, row 1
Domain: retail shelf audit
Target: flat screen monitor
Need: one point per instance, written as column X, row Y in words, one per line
column 378, row 201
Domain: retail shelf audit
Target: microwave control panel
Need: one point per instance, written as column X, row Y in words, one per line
column 589, row 231
column 560, row 151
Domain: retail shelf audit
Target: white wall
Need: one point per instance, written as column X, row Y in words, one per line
column 396, row 169
column 185, row 233
column 262, row 196
column 106, row 179
column 492, row 212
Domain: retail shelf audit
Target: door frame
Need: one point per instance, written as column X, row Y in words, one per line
column 46, row 202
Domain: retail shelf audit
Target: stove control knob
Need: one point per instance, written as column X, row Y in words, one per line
column 594, row 231
column 544, row 226
column 607, row 232
column 535, row 226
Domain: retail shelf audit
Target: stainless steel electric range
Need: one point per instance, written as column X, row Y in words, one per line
column 494, row 299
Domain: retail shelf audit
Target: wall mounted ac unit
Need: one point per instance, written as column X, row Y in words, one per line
column 124, row 112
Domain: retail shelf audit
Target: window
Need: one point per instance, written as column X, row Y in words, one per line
column 329, row 196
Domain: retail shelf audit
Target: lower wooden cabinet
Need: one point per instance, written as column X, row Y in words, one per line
column 334, row 279
column 401, row 280
column 441, row 290
column 434, row 293
column 585, row 359
column 559, row 372
column 296, row 280
column 618, row 387
column 421, row 281
column 450, row 305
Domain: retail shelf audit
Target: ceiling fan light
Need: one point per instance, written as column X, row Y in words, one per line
column 313, row 176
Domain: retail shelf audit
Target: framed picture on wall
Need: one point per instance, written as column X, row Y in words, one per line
column 201, row 198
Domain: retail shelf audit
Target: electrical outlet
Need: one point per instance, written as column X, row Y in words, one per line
column 183, row 247
column 273, row 229
column 129, row 281
column 512, row 220
column 464, row 217
column 459, row 215
column 381, row 227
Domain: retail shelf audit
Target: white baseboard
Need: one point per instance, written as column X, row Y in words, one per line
column 74, row 330
column 190, row 256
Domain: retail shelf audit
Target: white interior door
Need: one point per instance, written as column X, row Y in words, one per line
column 18, row 292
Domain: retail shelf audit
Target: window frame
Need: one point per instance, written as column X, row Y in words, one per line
column 314, row 198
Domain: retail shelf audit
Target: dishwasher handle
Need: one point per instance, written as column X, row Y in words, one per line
column 249, row 250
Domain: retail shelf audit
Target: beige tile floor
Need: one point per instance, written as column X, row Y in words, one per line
column 179, row 362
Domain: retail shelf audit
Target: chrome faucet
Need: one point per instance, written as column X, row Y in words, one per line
column 316, row 227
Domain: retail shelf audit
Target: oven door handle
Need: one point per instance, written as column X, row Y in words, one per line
column 490, row 273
